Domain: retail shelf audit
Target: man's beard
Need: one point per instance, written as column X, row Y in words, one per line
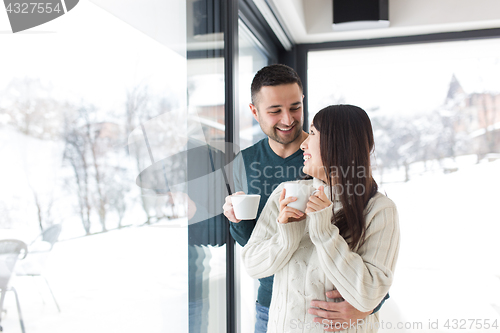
column 274, row 135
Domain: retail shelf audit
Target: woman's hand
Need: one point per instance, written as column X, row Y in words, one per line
column 288, row 214
column 318, row 201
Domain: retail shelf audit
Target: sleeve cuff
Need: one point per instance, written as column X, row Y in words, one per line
column 291, row 233
column 320, row 224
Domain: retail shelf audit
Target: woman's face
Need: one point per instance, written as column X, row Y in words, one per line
column 313, row 165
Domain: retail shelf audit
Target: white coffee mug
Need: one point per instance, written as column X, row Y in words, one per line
column 245, row 206
column 300, row 191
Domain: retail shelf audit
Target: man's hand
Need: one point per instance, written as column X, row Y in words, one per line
column 229, row 210
column 338, row 316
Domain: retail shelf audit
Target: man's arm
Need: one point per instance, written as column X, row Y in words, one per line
column 240, row 230
column 386, row 297
column 338, row 314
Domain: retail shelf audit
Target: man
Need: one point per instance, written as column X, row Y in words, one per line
column 277, row 105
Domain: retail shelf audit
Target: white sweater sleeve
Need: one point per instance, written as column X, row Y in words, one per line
column 363, row 277
column 272, row 244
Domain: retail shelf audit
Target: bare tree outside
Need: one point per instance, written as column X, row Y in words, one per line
column 95, row 160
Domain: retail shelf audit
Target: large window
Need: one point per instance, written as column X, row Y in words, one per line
column 206, row 190
column 99, row 113
column 251, row 59
column 435, row 111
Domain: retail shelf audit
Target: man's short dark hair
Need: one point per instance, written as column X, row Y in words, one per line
column 273, row 75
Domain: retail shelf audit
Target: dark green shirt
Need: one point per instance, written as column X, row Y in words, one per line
column 258, row 170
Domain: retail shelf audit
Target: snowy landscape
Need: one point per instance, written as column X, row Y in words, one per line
column 448, row 264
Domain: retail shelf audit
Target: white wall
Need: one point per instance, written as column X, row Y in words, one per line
column 407, row 17
column 155, row 18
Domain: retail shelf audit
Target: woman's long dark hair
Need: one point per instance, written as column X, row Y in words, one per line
column 346, row 141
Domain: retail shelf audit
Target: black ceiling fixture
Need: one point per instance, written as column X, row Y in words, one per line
column 360, row 14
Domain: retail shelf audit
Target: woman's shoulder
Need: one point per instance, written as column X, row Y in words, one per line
column 381, row 212
column 379, row 202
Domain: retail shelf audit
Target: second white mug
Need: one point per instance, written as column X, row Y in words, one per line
column 245, row 206
column 300, row 191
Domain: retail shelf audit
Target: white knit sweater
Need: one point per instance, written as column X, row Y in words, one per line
column 309, row 258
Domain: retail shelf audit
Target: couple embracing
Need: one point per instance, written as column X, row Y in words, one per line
column 330, row 266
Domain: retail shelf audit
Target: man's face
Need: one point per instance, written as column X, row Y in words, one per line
column 279, row 112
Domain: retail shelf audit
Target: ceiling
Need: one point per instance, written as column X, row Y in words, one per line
column 310, row 21
column 307, row 21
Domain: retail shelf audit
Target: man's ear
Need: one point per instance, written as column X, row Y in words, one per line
column 254, row 110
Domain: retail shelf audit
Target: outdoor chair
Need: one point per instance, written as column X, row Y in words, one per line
column 10, row 251
column 38, row 253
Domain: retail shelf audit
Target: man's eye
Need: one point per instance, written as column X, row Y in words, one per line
column 296, row 108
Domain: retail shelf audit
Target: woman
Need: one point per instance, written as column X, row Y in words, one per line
column 350, row 244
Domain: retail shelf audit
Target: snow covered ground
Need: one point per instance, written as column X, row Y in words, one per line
column 448, row 266
column 129, row 280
